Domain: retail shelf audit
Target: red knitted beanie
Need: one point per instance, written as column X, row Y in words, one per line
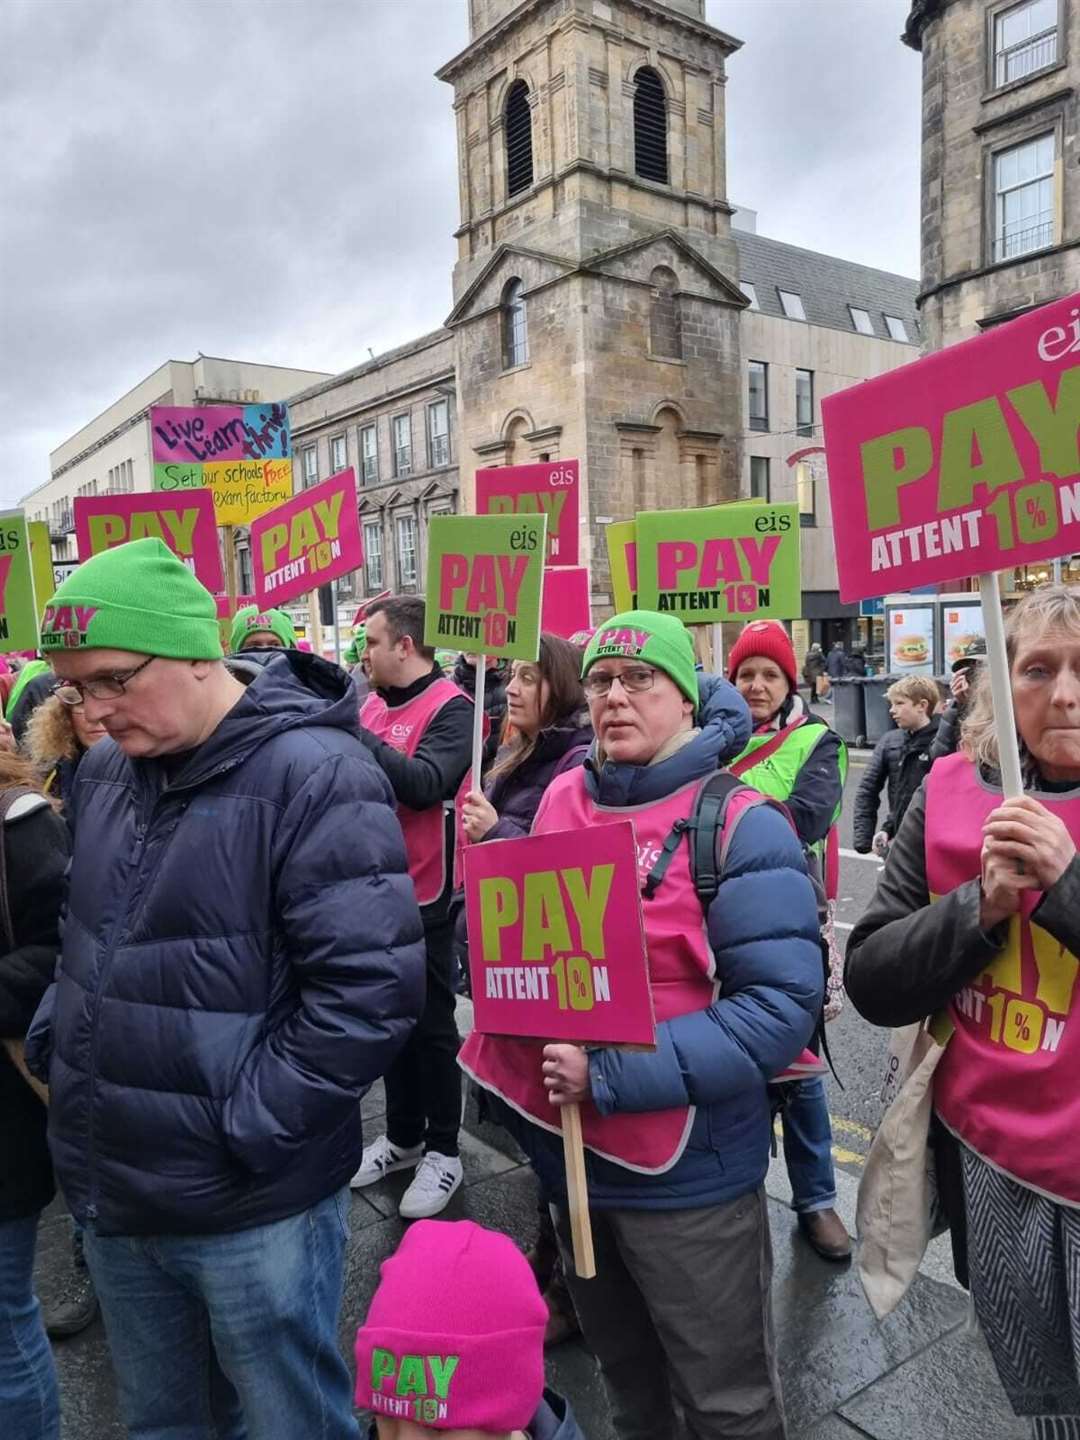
column 769, row 639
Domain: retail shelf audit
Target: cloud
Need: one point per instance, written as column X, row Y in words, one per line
column 275, row 180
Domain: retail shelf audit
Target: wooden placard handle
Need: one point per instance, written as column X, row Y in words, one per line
column 577, row 1191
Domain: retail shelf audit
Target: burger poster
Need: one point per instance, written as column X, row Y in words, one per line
column 911, row 640
column 963, row 632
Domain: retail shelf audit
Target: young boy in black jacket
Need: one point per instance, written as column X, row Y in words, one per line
column 901, row 759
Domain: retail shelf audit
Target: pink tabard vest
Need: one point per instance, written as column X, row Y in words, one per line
column 1007, row 1083
column 424, row 830
column 681, row 968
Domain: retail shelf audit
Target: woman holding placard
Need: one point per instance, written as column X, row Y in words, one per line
column 550, row 732
column 976, row 922
column 677, row 1138
column 795, row 757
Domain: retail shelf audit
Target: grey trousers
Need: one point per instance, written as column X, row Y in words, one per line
column 680, row 1310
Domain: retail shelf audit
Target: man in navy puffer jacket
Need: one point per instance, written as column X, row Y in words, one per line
column 677, row 1139
column 242, row 957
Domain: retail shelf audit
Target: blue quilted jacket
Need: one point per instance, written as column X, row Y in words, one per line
column 763, row 929
column 242, row 957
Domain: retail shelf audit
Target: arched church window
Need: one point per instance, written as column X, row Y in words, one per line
column 665, row 328
column 650, row 126
column 515, row 325
column 519, row 154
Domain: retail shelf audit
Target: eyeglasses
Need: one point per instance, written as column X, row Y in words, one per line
column 597, row 684
column 109, row 687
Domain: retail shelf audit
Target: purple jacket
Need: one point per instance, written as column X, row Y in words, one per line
column 517, row 796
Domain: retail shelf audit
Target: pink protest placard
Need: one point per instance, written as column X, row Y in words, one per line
column 963, row 463
column 185, row 521
column 307, row 542
column 552, row 489
column 556, row 939
column 565, row 606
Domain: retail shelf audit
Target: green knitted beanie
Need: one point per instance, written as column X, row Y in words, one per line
column 251, row 621
column 659, row 640
column 136, row 597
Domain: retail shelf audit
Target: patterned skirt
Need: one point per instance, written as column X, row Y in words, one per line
column 1024, row 1255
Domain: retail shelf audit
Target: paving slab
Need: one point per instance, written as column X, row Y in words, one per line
column 950, row 1391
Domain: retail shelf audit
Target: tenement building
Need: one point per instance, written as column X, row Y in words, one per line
column 1000, row 156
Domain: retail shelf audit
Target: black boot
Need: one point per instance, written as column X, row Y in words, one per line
column 76, row 1306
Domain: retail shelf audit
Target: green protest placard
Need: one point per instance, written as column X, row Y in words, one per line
column 729, row 562
column 484, row 583
column 18, row 610
column 622, row 560
column 41, row 562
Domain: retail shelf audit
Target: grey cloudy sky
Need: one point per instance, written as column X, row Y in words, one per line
column 275, row 180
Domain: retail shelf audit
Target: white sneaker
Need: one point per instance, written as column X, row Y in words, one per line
column 382, row 1158
column 437, row 1177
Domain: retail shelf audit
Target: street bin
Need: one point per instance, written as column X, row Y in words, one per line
column 848, row 717
column 878, row 719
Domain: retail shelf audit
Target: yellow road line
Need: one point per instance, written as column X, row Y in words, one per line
column 847, row 1157
column 851, row 1127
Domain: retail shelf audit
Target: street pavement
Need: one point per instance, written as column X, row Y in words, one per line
column 923, row 1374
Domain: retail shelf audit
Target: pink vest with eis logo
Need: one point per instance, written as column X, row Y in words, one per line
column 403, row 726
column 681, row 971
column 1007, row 1083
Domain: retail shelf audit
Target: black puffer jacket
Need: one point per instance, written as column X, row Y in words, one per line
column 901, row 759
column 36, row 848
column 517, row 795
column 242, row 958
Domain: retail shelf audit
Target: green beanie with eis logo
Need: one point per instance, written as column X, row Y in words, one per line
column 136, row 597
column 659, row 640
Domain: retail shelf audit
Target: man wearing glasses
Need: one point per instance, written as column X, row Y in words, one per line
column 242, row 957
column 678, row 1138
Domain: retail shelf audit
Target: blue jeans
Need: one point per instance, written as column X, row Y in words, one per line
column 29, row 1403
column 261, row 1304
column 808, row 1147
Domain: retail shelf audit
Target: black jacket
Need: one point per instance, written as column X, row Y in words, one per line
column 35, row 692
column 242, row 958
column 36, row 847
column 901, row 759
column 947, row 740
column 431, row 776
column 837, row 664
column 907, row 958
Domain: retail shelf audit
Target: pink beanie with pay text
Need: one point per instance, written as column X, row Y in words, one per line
column 454, row 1337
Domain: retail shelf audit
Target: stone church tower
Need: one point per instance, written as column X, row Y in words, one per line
column 596, row 300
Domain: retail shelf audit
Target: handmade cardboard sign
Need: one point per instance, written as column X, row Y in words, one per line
column 241, row 453
column 965, row 462
column 307, row 542
column 41, row 562
column 566, row 601
column 18, row 607
column 729, row 562
column 185, row 522
column 556, row 940
column 484, row 576
column 622, row 560
column 552, row 489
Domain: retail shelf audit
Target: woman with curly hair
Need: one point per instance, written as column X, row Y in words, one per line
column 57, row 738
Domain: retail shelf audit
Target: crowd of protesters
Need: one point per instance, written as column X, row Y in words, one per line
column 253, row 859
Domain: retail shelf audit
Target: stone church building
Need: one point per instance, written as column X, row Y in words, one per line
column 598, row 310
